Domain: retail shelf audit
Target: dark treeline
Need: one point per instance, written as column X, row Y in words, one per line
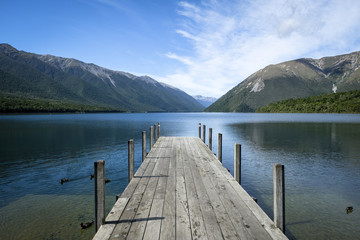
column 345, row 102
column 21, row 105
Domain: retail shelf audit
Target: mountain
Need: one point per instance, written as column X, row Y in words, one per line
column 44, row 77
column 205, row 101
column 293, row 79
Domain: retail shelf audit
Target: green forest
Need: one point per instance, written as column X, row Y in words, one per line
column 344, row 102
column 21, row 105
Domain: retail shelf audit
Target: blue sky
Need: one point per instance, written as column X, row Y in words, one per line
column 201, row 47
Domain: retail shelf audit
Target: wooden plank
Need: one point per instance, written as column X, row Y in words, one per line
column 152, row 231
column 156, row 188
column 264, row 219
column 115, row 213
column 158, row 148
column 142, row 214
column 252, row 208
column 246, row 223
column 197, row 224
column 245, row 219
column 224, row 218
column 126, row 219
column 153, row 225
column 168, row 223
column 111, row 220
column 129, row 190
column 216, row 218
column 183, row 229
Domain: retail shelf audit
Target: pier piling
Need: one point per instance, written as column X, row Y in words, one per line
column 143, row 145
column 159, row 129
column 131, row 159
column 155, row 131
column 219, row 150
column 279, row 196
column 204, row 132
column 99, row 175
column 210, row 139
column 200, row 130
column 237, row 162
column 151, row 136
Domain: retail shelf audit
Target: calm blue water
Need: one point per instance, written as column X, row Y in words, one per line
column 321, row 154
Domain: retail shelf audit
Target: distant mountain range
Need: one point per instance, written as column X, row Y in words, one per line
column 205, row 101
column 293, row 79
column 31, row 76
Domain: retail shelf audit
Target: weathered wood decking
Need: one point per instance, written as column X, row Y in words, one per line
column 181, row 191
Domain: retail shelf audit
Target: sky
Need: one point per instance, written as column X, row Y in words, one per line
column 202, row 47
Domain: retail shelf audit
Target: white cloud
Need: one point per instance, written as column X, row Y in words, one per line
column 183, row 60
column 232, row 39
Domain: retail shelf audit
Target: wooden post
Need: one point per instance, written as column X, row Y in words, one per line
column 279, row 197
column 99, row 173
column 143, row 145
column 155, row 131
column 159, row 129
column 151, row 137
column 210, row 139
column 204, row 132
column 237, row 162
column 200, row 130
column 131, row 159
column 219, row 150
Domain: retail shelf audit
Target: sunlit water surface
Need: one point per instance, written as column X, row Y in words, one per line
column 321, row 154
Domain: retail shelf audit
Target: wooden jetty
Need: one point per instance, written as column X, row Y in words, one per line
column 182, row 191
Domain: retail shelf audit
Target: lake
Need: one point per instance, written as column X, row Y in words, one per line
column 321, row 154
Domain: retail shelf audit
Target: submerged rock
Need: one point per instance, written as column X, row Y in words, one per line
column 63, row 180
column 349, row 210
column 86, row 225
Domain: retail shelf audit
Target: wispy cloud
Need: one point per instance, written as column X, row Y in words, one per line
column 113, row 3
column 183, row 60
column 232, row 39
